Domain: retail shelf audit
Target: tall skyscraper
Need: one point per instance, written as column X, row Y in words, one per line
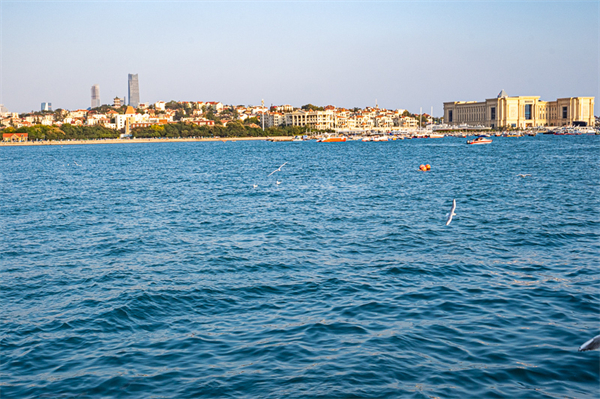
column 95, row 96
column 46, row 107
column 133, row 90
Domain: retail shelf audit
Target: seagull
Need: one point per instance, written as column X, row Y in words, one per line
column 591, row 345
column 277, row 170
column 255, row 185
column 524, row 175
column 451, row 212
column 76, row 163
column 278, row 182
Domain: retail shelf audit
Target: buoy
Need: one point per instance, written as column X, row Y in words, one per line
column 428, row 167
column 423, row 168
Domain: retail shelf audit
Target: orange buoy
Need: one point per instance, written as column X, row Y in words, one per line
column 423, row 168
column 428, row 167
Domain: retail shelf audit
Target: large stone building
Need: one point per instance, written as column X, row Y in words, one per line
column 521, row 112
column 321, row 120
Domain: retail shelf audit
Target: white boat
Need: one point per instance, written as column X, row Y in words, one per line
column 480, row 140
column 380, row 138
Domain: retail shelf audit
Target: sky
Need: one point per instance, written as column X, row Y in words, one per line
column 401, row 54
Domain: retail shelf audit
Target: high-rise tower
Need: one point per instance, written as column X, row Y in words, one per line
column 95, row 96
column 133, row 89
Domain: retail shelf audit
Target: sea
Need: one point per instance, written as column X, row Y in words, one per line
column 159, row 270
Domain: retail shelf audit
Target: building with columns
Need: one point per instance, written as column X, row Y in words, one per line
column 521, row 112
column 321, row 120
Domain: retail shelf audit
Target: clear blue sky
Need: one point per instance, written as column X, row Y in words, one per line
column 405, row 54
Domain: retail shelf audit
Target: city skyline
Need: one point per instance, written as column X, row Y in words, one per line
column 406, row 55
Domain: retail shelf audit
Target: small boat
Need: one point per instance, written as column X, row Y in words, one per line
column 480, row 140
column 380, row 138
column 331, row 139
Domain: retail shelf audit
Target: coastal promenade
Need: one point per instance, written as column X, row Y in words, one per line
column 137, row 141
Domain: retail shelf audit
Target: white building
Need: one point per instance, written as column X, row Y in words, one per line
column 320, row 120
column 130, row 117
column 273, row 119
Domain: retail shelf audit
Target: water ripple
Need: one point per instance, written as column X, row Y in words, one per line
column 158, row 271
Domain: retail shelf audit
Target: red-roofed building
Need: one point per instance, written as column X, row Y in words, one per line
column 14, row 137
column 203, row 122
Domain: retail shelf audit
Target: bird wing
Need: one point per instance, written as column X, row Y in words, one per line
column 451, row 212
column 590, row 345
column 277, row 170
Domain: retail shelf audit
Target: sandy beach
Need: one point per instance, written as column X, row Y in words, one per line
column 139, row 140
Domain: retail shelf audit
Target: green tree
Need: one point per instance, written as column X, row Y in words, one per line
column 310, row 107
column 180, row 113
column 173, row 105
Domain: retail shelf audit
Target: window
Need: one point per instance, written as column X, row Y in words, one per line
column 528, row 111
column 493, row 113
column 450, row 116
column 564, row 112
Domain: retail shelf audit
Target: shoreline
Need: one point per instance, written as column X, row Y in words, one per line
column 140, row 141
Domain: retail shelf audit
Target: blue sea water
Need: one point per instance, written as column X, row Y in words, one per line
column 158, row 271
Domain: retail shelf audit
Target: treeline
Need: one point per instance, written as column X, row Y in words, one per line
column 171, row 130
column 65, row 132
column 233, row 129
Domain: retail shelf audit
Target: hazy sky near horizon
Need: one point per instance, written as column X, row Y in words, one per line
column 404, row 54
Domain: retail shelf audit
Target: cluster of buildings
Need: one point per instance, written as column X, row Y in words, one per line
column 521, row 112
column 139, row 114
column 342, row 119
column 195, row 112
column 85, row 117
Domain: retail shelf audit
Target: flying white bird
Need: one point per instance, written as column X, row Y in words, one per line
column 524, row 175
column 278, row 182
column 451, row 212
column 255, row 185
column 591, row 345
column 277, row 170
